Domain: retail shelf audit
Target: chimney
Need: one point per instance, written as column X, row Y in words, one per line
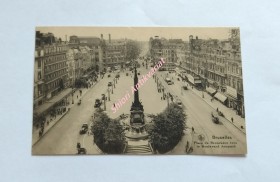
column 109, row 38
column 196, row 37
column 101, row 36
column 65, row 38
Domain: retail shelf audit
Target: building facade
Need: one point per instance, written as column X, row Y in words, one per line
column 51, row 71
column 216, row 65
column 170, row 50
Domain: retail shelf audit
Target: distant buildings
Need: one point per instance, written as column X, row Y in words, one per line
column 58, row 65
column 169, row 50
column 211, row 65
column 215, row 65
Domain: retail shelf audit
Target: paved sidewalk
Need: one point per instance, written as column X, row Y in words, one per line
column 53, row 121
column 229, row 113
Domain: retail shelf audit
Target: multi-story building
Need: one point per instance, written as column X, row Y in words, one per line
column 115, row 53
column 71, row 67
column 94, row 46
column 55, row 68
column 166, row 49
column 38, row 77
column 215, row 66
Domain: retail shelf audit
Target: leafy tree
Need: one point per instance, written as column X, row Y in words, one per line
column 80, row 82
column 38, row 119
column 133, row 50
column 168, row 128
column 108, row 134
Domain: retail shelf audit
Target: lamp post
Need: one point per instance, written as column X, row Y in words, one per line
column 104, row 102
column 114, row 83
column 167, row 97
column 108, row 93
column 73, row 93
column 163, row 92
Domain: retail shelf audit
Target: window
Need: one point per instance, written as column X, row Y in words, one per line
column 39, row 75
column 39, row 64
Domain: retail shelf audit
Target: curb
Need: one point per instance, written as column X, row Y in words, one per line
column 49, row 129
column 220, row 116
column 58, row 120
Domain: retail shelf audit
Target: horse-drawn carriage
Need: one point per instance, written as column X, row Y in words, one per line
column 80, row 149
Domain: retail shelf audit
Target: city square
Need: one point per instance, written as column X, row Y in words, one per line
column 91, row 95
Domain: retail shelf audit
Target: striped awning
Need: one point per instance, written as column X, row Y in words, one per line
column 220, row 97
column 210, row 90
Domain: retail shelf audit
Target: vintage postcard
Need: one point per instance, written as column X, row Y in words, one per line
column 138, row 90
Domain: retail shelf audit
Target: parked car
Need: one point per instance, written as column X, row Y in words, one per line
column 215, row 118
column 97, row 103
column 84, row 129
column 110, row 84
column 109, row 75
column 169, row 81
column 179, row 102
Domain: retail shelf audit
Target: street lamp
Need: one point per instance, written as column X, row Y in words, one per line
column 167, row 97
column 108, row 93
column 163, row 92
column 114, row 82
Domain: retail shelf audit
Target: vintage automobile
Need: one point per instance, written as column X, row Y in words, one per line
column 84, row 129
column 215, row 117
column 110, row 84
column 179, row 102
column 97, row 103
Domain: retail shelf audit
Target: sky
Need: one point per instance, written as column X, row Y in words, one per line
column 140, row 33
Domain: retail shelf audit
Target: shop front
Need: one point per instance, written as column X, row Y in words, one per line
column 211, row 91
column 231, row 93
column 222, row 98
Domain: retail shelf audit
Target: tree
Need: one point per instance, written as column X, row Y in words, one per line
column 168, row 128
column 133, row 50
column 108, row 134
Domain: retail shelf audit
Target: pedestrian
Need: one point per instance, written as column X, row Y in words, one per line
column 193, row 129
column 232, row 119
column 78, row 145
column 160, row 98
column 77, row 96
column 217, row 109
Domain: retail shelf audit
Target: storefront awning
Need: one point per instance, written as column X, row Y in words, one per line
column 220, row 97
column 47, row 105
column 210, row 90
